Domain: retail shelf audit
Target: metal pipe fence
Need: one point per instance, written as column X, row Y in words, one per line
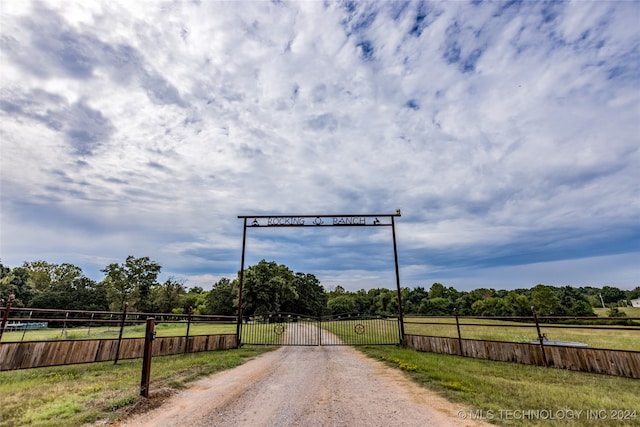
column 43, row 324
column 620, row 333
column 20, row 324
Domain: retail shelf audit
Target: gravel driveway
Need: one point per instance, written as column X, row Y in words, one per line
column 306, row 386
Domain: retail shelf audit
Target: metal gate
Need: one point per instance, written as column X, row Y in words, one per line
column 299, row 330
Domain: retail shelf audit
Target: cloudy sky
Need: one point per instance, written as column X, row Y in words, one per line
column 508, row 133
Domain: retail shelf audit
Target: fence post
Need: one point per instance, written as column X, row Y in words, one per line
column 540, row 336
column 149, row 336
column 455, row 311
column 5, row 316
column 89, row 329
column 124, row 316
column 186, row 342
column 64, row 325
column 24, row 330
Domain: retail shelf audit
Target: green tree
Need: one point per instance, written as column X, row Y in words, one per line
column 119, row 288
column 437, row 306
column 612, row 295
column 384, row 301
column 411, row 302
column 520, row 304
column 223, row 298
column 15, row 282
column 167, row 297
column 575, row 302
column 633, row 294
column 465, row 301
column 339, row 290
column 131, row 282
column 73, row 293
column 494, row 306
column 363, row 302
column 63, row 286
column 196, row 298
column 545, row 300
column 312, row 298
column 342, row 304
column 40, row 275
column 267, row 288
column 438, row 290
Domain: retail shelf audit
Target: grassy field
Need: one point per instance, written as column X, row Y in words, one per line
column 629, row 311
column 105, row 332
column 608, row 337
column 359, row 331
column 511, row 394
column 264, row 333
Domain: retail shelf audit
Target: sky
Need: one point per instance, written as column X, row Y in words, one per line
column 508, row 133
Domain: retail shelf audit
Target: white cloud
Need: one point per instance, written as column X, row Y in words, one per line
column 148, row 127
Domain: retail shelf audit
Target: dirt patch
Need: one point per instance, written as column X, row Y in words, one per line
column 305, row 386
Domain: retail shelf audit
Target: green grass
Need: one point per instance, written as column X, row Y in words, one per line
column 104, row 332
column 629, row 311
column 364, row 331
column 264, row 333
column 489, row 387
column 608, row 337
column 78, row 394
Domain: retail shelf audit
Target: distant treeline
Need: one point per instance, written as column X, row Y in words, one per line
column 269, row 287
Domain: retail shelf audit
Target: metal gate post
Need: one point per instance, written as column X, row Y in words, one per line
column 540, row 336
column 5, row 316
column 186, row 338
column 239, row 325
column 149, row 336
column 124, row 316
column 260, row 221
column 395, row 257
column 455, row 311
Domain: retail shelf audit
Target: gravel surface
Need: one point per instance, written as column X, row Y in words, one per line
column 306, row 386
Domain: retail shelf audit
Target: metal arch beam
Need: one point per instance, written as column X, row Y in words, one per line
column 323, row 220
column 339, row 220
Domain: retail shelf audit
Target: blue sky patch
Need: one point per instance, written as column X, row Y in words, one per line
column 506, row 132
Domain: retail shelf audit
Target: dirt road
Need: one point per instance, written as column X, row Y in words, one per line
column 306, row 386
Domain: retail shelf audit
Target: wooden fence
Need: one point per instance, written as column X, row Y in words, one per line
column 611, row 362
column 36, row 354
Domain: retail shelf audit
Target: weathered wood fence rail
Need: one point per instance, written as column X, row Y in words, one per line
column 622, row 363
column 35, row 354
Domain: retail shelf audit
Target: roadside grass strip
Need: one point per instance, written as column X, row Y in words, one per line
column 512, row 394
column 74, row 395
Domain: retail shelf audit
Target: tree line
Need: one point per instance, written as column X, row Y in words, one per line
column 269, row 287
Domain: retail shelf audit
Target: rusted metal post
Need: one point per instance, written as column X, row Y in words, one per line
column 395, row 257
column 5, row 315
column 149, row 336
column 239, row 324
column 186, row 338
column 455, row 311
column 124, row 316
column 540, row 336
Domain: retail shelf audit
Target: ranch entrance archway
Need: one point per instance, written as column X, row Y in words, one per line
column 296, row 329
